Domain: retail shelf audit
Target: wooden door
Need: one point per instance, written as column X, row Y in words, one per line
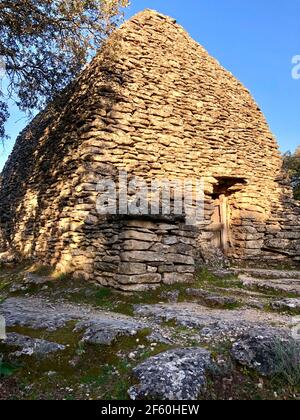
column 219, row 224
column 216, row 225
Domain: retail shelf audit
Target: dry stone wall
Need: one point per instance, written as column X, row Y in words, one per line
column 153, row 102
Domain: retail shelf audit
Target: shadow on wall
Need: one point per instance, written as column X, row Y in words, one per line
column 41, row 184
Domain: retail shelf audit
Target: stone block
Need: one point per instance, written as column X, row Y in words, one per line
column 182, row 249
column 179, row 259
column 140, row 236
column 132, row 268
column 142, row 256
column 139, row 279
column 143, row 224
column 131, row 245
column 173, row 278
column 170, row 240
column 166, row 268
column 185, row 268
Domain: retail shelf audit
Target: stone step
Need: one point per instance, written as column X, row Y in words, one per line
column 268, row 274
column 222, row 321
column 272, row 285
column 212, row 299
column 283, row 281
column 287, row 305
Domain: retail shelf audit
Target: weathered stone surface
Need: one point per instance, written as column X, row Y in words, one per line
column 178, row 374
column 31, row 279
column 140, row 278
column 170, row 240
column 136, row 245
column 212, row 298
column 98, row 326
column 132, row 268
column 171, row 296
column 173, row 278
column 34, row 279
column 287, row 304
column 35, row 313
column 106, row 331
column 142, row 256
column 268, row 274
column 289, row 286
column 31, row 346
column 212, row 257
column 213, row 324
column 141, row 236
column 266, row 350
column 179, row 259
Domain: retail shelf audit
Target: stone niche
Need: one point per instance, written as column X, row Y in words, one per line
column 153, row 253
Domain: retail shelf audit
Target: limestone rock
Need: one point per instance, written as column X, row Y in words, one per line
column 171, row 296
column 266, row 350
column 212, row 298
column 173, row 278
column 31, row 346
column 106, row 331
column 178, row 374
column 132, row 268
column 140, row 278
column 287, row 304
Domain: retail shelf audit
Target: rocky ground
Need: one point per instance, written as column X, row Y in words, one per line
column 230, row 335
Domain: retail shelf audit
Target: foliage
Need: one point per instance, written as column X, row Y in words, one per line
column 44, row 44
column 292, row 166
column 6, row 369
column 288, row 363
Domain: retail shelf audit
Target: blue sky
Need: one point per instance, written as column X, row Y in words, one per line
column 254, row 39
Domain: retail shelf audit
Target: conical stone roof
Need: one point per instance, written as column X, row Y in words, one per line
column 161, row 93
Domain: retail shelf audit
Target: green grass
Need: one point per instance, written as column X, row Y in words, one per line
column 6, row 369
column 105, row 372
column 207, row 278
column 287, row 361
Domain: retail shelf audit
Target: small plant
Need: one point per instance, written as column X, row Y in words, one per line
column 6, row 369
column 4, row 285
column 80, row 351
column 105, row 298
column 206, row 277
column 103, row 293
column 287, row 361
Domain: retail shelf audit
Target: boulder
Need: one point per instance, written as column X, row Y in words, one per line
column 105, row 331
column 266, row 350
column 178, row 374
column 31, row 346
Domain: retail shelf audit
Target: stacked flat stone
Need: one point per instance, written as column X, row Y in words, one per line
column 155, row 103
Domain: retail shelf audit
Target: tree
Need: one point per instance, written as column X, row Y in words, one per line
column 292, row 166
column 45, row 43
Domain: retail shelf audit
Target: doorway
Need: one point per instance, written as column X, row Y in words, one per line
column 220, row 223
column 220, row 220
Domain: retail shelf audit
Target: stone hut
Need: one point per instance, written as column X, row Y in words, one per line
column 153, row 102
